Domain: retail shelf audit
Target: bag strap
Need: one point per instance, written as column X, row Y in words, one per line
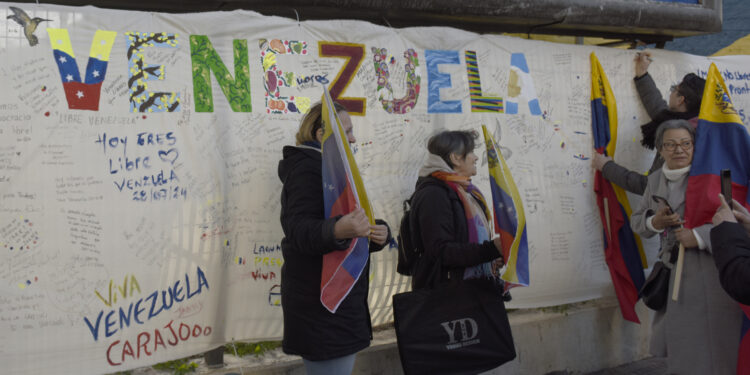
column 433, row 280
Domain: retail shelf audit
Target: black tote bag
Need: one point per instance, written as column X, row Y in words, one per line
column 456, row 328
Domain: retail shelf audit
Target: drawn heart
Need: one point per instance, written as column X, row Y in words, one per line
column 169, row 155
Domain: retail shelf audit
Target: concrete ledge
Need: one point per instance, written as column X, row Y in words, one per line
column 578, row 338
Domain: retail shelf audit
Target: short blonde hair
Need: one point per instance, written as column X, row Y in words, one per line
column 313, row 121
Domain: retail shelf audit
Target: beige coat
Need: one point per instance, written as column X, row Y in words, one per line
column 699, row 333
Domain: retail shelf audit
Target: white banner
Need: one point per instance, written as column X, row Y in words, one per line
column 139, row 198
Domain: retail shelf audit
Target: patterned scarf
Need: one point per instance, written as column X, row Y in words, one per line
column 477, row 221
column 478, row 232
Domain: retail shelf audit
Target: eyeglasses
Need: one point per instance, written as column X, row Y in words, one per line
column 674, row 88
column 671, row 146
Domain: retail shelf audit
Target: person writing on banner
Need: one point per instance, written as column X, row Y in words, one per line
column 450, row 217
column 327, row 342
column 731, row 246
column 698, row 332
column 684, row 103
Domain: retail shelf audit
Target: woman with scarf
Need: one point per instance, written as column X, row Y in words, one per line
column 449, row 217
column 327, row 342
column 699, row 332
column 684, row 103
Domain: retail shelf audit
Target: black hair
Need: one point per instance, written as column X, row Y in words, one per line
column 691, row 88
column 459, row 142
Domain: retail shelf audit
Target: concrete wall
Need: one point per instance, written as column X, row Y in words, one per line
column 577, row 338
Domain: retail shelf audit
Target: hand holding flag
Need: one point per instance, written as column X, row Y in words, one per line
column 343, row 194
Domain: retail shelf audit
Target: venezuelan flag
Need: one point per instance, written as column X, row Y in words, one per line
column 721, row 142
column 343, row 192
column 623, row 250
column 82, row 94
column 509, row 217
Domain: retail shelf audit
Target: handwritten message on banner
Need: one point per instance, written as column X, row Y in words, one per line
column 139, row 196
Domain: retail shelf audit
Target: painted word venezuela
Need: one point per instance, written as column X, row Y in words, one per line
column 282, row 86
column 140, row 312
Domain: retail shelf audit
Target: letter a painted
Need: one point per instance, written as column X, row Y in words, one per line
column 520, row 84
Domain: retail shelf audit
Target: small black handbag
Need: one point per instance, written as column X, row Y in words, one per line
column 656, row 288
column 456, row 328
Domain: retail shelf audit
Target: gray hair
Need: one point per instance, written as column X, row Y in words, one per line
column 673, row 124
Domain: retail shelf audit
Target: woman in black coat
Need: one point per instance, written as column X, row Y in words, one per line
column 449, row 217
column 327, row 342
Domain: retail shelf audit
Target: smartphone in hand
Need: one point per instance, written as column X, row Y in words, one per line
column 726, row 186
column 663, row 201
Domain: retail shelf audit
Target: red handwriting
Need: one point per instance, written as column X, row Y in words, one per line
column 263, row 275
column 189, row 310
column 144, row 345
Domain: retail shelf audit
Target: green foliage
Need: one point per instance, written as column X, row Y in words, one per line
column 254, row 348
column 178, row 366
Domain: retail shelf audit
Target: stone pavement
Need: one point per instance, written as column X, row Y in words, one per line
column 648, row 366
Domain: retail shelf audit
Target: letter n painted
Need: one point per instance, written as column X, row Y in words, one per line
column 205, row 60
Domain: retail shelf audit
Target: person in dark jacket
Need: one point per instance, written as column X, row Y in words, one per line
column 327, row 342
column 449, row 216
column 731, row 245
column 684, row 104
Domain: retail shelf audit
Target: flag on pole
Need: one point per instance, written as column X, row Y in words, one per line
column 721, row 142
column 509, row 218
column 622, row 248
column 343, row 192
column 719, row 130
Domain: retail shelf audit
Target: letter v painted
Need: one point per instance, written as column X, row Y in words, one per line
column 106, row 302
column 82, row 94
column 94, row 330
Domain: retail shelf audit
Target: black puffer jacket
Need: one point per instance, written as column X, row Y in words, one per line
column 438, row 225
column 310, row 330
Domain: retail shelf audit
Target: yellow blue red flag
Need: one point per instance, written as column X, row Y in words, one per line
column 509, row 218
column 721, row 142
column 622, row 248
column 343, row 192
